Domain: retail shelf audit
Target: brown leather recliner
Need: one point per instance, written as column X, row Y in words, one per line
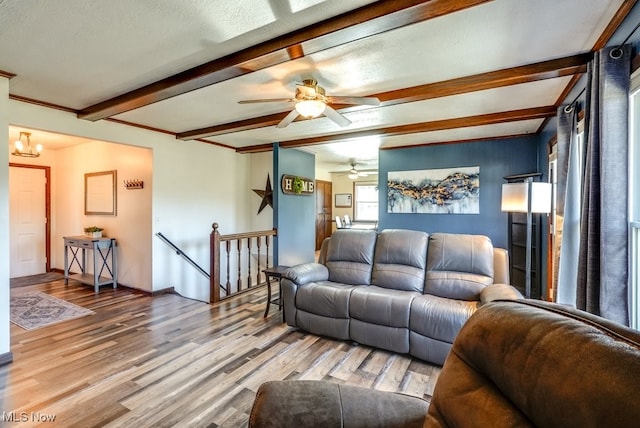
column 513, row 364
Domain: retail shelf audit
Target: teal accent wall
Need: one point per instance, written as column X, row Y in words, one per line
column 294, row 215
column 496, row 159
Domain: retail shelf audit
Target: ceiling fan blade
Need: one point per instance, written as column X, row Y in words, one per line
column 267, row 100
column 370, row 101
column 336, row 117
column 288, row 119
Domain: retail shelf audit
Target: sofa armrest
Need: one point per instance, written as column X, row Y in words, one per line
column 307, row 272
column 499, row 292
column 310, row 404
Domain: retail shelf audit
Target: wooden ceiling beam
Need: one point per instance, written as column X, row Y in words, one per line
column 567, row 66
column 414, row 128
column 366, row 21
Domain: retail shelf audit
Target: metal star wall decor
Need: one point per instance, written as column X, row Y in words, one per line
column 266, row 195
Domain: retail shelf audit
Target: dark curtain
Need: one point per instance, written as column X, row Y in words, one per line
column 603, row 258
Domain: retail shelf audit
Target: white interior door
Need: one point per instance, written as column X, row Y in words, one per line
column 27, row 218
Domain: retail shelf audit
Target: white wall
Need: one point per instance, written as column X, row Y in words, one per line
column 131, row 226
column 192, row 185
column 261, row 166
column 5, row 339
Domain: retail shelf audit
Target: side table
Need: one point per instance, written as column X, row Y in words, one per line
column 102, row 249
column 271, row 273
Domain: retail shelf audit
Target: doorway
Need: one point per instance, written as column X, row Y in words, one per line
column 324, row 214
column 29, row 214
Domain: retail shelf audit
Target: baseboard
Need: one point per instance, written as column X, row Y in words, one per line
column 155, row 293
column 6, row 358
column 169, row 290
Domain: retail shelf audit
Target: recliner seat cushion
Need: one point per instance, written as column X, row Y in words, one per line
column 350, row 256
column 380, row 317
column 381, row 306
column 440, row 318
column 400, row 260
column 458, row 266
column 328, row 299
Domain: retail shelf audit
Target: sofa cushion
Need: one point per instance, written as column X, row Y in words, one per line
column 329, row 299
column 350, row 256
column 337, row 328
column 440, row 318
column 400, row 260
column 381, row 306
column 459, row 266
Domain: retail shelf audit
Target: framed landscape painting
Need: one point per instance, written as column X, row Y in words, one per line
column 434, row 191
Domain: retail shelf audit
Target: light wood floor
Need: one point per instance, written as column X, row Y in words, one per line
column 144, row 361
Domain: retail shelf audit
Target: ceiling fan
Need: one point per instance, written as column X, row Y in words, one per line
column 354, row 173
column 312, row 101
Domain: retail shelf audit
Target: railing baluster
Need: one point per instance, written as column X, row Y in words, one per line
column 239, row 264
column 249, row 262
column 267, row 262
column 258, row 244
column 228, row 268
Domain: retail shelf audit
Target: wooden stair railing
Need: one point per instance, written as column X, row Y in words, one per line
column 244, row 243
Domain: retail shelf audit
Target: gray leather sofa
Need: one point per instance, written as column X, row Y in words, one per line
column 517, row 363
column 400, row 290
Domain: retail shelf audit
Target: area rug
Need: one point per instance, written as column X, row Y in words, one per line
column 35, row 309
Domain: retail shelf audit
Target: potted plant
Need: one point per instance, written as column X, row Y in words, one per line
column 298, row 185
column 93, row 231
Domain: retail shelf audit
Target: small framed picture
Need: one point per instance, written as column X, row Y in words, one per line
column 343, row 200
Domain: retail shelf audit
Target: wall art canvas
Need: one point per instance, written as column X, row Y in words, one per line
column 434, row 191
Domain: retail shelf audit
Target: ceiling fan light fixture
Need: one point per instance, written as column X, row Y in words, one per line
column 310, row 108
column 25, row 149
column 353, row 175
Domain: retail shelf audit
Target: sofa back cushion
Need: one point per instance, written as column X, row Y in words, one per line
column 459, row 266
column 349, row 256
column 400, row 260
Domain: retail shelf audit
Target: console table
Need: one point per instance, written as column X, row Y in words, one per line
column 102, row 249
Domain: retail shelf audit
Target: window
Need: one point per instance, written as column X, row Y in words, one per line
column 366, row 202
column 634, row 200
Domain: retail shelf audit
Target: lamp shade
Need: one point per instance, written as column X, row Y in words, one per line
column 515, row 197
column 541, row 198
column 310, row 108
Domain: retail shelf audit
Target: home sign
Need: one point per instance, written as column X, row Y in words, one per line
column 294, row 185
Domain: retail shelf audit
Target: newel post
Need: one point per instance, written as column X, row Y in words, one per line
column 214, row 281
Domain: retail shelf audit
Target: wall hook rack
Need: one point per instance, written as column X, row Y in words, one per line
column 133, row 184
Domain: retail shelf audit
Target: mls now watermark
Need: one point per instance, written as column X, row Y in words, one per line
column 27, row 417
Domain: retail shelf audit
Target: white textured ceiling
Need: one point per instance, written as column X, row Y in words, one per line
column 76, row 53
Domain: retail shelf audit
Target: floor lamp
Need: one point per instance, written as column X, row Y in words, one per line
column 527, row 197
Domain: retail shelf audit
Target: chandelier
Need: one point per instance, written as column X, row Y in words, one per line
column 25, row 149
